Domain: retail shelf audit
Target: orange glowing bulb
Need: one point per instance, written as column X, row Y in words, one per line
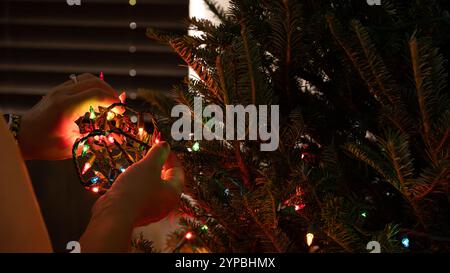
column 110, row 115
column 141, row 131
column 111, row 139
column 95, row 189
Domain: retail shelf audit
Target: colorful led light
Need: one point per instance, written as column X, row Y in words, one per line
column 92, row 113
column 122, row 97
column 309, row 239
column 110, row 115
column 196, row 147
column 95, row 189
column 405, row 242
column 94, row 179
column 86, row 167
column 85, row 149
column 188, row 235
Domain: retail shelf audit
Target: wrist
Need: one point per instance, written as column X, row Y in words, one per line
column 14, row 123
column 22, row 139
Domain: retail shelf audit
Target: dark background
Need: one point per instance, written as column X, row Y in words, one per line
column 42, row 42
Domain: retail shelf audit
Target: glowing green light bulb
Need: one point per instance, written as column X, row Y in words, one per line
column 364, row 214
column 85, row 149
column 196, row 147
column 92, row 113
column 204, row 228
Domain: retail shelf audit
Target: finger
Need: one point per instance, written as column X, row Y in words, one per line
column 92, row 97
column 172, row 162
column 86, row 76
column 156, row 157
column 80, row 78
column 173, row 173
column 88, row 84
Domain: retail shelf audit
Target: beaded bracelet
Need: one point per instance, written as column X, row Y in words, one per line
column 13, row 121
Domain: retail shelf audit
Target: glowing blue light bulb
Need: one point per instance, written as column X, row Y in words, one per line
column 95, row 179
column 405, row 242
column 122, row 169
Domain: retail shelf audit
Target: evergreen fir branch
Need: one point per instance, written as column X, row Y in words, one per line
column 388, row 239
column 399, row 118
column 217, row 10
column 396, row 151
column 433, row 179
column 187, row 48
column 186, row 53
column 430, row 81
column 442, row 129
column 249, row 61
column 334, row 215
column 285, row 22
column 204, row 26
column 367, row 62
column 260, row 205
column 142, row 245
column 372, row 159
column 375, row 65
column 223, row 85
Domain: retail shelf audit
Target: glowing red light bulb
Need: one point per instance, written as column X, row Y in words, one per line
column 102, row 77
column 158, row 138
column 188, row 235
column 86, row 167
column 122, row 97
column 95, row 189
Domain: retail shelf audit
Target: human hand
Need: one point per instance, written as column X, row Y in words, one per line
column 147, row 191
column 48, row 130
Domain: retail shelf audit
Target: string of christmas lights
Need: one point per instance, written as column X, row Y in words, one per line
column 115, row 138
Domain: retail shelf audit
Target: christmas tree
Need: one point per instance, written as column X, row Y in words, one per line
column 364, row 127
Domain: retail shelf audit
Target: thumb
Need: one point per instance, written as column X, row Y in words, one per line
column 156, row 156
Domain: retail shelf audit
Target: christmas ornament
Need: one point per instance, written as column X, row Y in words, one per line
column 111, row 143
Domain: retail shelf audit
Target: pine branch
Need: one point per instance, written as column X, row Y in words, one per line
column 216, row 10
column 260, row 204
column 417, row 66
column 249, row 61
